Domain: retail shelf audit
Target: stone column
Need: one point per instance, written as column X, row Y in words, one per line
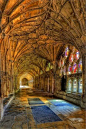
column 39, row 83
column 52, row 83
column 1, row 108
column 12, row 78
column 3, row 81
column 0, row 73
column 53, row 76
column 28, row 82
column 1, row 97
column 34, row 82
column 83, row 103
column 44, row 81
column 48, row 85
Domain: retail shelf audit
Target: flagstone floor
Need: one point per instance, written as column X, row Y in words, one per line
column 19, row 114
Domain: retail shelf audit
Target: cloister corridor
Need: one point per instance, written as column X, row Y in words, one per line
column 42, row 64
column 19, row 114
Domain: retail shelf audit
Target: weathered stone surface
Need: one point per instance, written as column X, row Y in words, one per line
column 18, row 116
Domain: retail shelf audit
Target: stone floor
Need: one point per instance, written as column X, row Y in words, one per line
column 19, row 114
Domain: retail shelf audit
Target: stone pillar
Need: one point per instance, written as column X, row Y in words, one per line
column 12, row 79
column 83, row 103
column 43, row 81
column 39, row 83
column 1, row 96
column 53, row 76
column 53, row 84
column 28, row 82
column 0, row 73
column 48, row 85
column 34, row 82
column 1, row 108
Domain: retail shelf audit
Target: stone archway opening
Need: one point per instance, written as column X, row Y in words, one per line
column 26, row 81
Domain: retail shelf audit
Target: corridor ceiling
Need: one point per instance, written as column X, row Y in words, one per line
column 36, row 30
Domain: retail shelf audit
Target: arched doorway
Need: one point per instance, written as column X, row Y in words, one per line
column 25, row 81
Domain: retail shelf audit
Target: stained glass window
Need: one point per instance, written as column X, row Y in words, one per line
column 69, row 85
column 75, row 85
column 80, row 66
column 74, row 68
column 71, row 58
column 67, row 52
column 77, row 55
column 80, row 85
column 69, row 69
column 62, row 62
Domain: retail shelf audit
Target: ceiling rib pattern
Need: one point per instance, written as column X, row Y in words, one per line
column 34, row 31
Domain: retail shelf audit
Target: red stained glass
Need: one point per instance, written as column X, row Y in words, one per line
column 62, row 62
column 80, row 66
column 66, row 52
column 71, row 58
column 69, row 69
column 77, row 55
column 75, row 68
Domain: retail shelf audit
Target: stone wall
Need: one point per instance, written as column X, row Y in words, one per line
column 44, row 83
column 1, row 108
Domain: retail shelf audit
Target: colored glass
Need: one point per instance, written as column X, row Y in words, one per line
column 69, row 85
column 66, row 52
column 70, row 68
column 75, row 85
column 80, row 85
column 62, row 62
column 75, row 68
column 80, row 65
column 71, row 58
column 77, row 55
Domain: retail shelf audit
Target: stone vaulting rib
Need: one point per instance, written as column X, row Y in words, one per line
column 33, row 27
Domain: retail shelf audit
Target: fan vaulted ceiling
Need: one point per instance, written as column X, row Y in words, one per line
column 34, row 31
